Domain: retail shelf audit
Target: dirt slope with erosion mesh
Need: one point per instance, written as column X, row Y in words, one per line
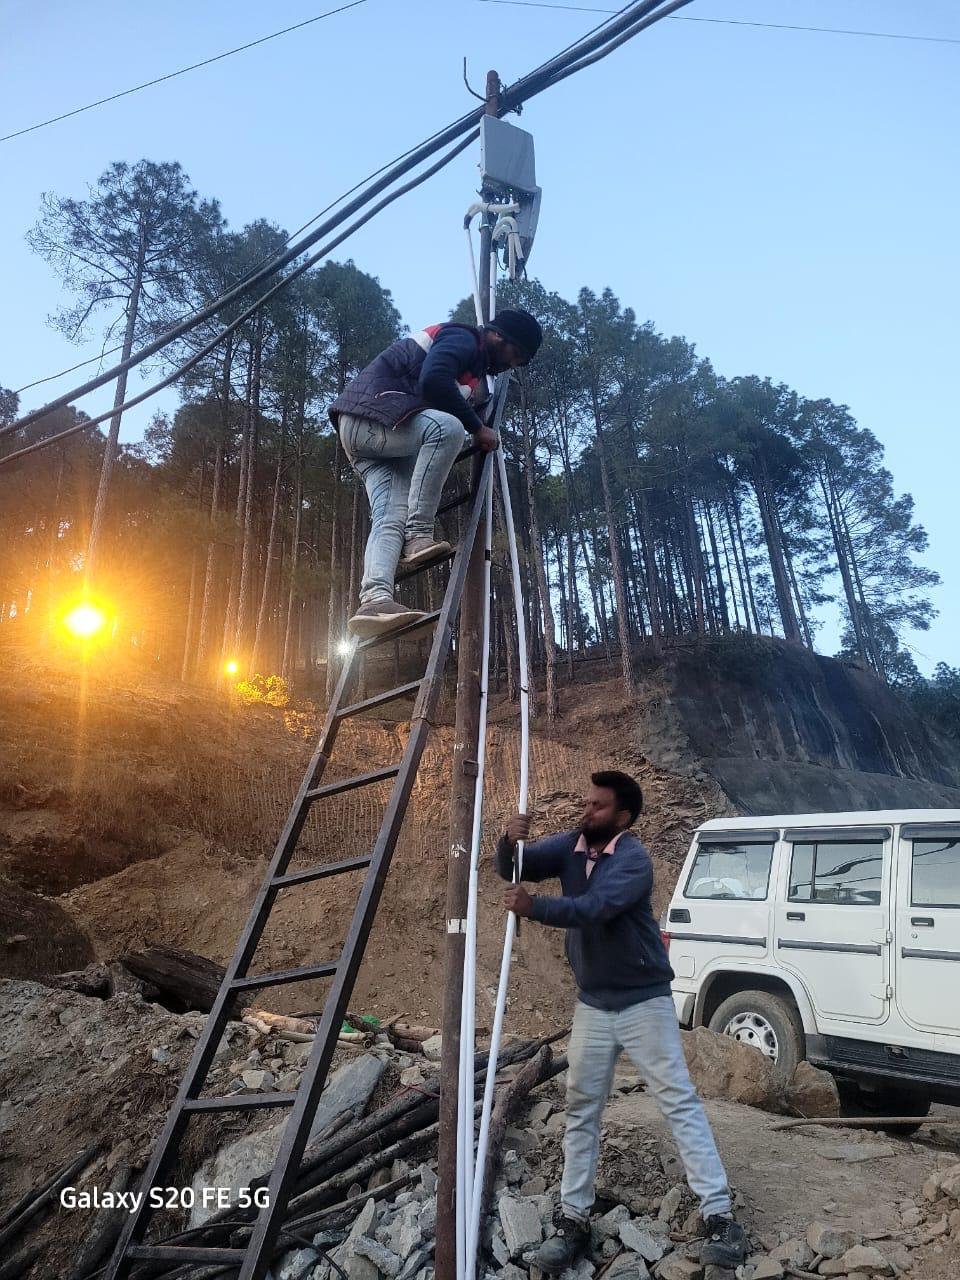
column 148, row 812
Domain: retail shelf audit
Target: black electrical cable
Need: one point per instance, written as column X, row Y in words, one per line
column 240, row 279
column 516, row 94
column 604, row 38
column 739, row 22
column 640, row 25
column 172, row 75
column 241, row 319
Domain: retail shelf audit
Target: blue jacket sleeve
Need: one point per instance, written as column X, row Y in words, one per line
column 541, row 859
column 452, row 353
column 627, row 881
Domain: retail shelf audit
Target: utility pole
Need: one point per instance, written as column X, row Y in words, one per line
column 465, row 766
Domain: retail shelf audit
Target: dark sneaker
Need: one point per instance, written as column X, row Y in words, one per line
column 379, row 616
column 419, row 552
column 563, row 1249
column 726, row 1244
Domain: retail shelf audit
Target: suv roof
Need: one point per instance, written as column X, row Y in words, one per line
column 858, row 818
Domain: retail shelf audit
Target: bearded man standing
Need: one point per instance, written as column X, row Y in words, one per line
column 623, row 975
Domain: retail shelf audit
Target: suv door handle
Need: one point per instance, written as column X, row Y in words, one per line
column 796, row 915
column 922, row 922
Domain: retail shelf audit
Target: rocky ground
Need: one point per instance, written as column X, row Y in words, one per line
column 816, row 1201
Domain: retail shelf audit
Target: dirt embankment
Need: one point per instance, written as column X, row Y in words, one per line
column 148, row 812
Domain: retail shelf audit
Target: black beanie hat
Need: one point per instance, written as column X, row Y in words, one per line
column 520, row 328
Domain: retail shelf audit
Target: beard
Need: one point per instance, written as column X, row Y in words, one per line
column 599, row 833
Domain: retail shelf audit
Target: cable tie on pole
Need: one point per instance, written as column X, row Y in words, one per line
column 456, row 926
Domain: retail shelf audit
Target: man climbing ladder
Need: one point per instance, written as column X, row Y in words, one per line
column 402, row 422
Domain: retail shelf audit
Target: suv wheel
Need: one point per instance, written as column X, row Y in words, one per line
column 765, row 1022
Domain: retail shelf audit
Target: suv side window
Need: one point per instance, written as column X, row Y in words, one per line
column 936, row 873
column 834, row 871
column 725, row 871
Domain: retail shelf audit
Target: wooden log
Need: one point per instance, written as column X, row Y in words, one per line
column 282, row 1022
column 540, row 1068
column 328, row 1192
column 189, row 980
column 278, row 1033
column 410, row 1031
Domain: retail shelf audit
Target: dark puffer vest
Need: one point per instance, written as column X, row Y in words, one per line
column 388, row 390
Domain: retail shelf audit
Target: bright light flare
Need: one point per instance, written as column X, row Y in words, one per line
column 85, row 620
column 231, row 667
column 344, row 648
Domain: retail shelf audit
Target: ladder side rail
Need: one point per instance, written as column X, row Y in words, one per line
column 269, row 1223
column 209, row 1040
column 178, row 1116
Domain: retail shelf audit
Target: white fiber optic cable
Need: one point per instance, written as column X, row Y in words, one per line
column 473, row 1233
column 470, row 1171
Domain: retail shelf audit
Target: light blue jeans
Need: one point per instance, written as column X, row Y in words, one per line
column 403, row 470
column 650, row 1035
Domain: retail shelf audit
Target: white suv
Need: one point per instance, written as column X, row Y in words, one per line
column 832, row 937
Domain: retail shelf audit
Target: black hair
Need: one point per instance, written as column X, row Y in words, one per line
column 626, row 789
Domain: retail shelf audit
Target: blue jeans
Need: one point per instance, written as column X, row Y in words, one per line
column 650, row 1035
column 403, row 470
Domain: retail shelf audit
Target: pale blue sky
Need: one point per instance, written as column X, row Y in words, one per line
column 786, row 200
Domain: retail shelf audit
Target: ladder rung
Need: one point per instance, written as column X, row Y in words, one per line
column 402, row 575
column 427, row 620
column 240, row 1102
column 401, row 691
column 320, row 872
column 280, row 976
column 350, row 784
column 454, row 503
column 175, row 1253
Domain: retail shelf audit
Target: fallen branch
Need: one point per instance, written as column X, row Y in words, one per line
column 864, row 1122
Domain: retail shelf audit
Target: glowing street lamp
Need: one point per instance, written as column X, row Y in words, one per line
column 85, row 620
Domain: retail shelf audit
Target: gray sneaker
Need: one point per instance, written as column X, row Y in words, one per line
column 419, row 552
column 380, row 616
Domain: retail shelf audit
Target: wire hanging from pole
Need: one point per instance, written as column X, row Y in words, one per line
column 603, row 39
column 471, row 1166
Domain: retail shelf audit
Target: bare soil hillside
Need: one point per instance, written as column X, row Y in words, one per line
column 135, row 811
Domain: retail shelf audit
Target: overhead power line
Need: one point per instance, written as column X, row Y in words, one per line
column 740, row 22
column 172, row 75
column 588, row 49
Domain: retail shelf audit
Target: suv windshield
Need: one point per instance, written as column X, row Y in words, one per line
column 726, row 871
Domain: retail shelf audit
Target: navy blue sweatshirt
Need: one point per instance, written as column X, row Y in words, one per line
column 453, row 353
column 613, row 941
